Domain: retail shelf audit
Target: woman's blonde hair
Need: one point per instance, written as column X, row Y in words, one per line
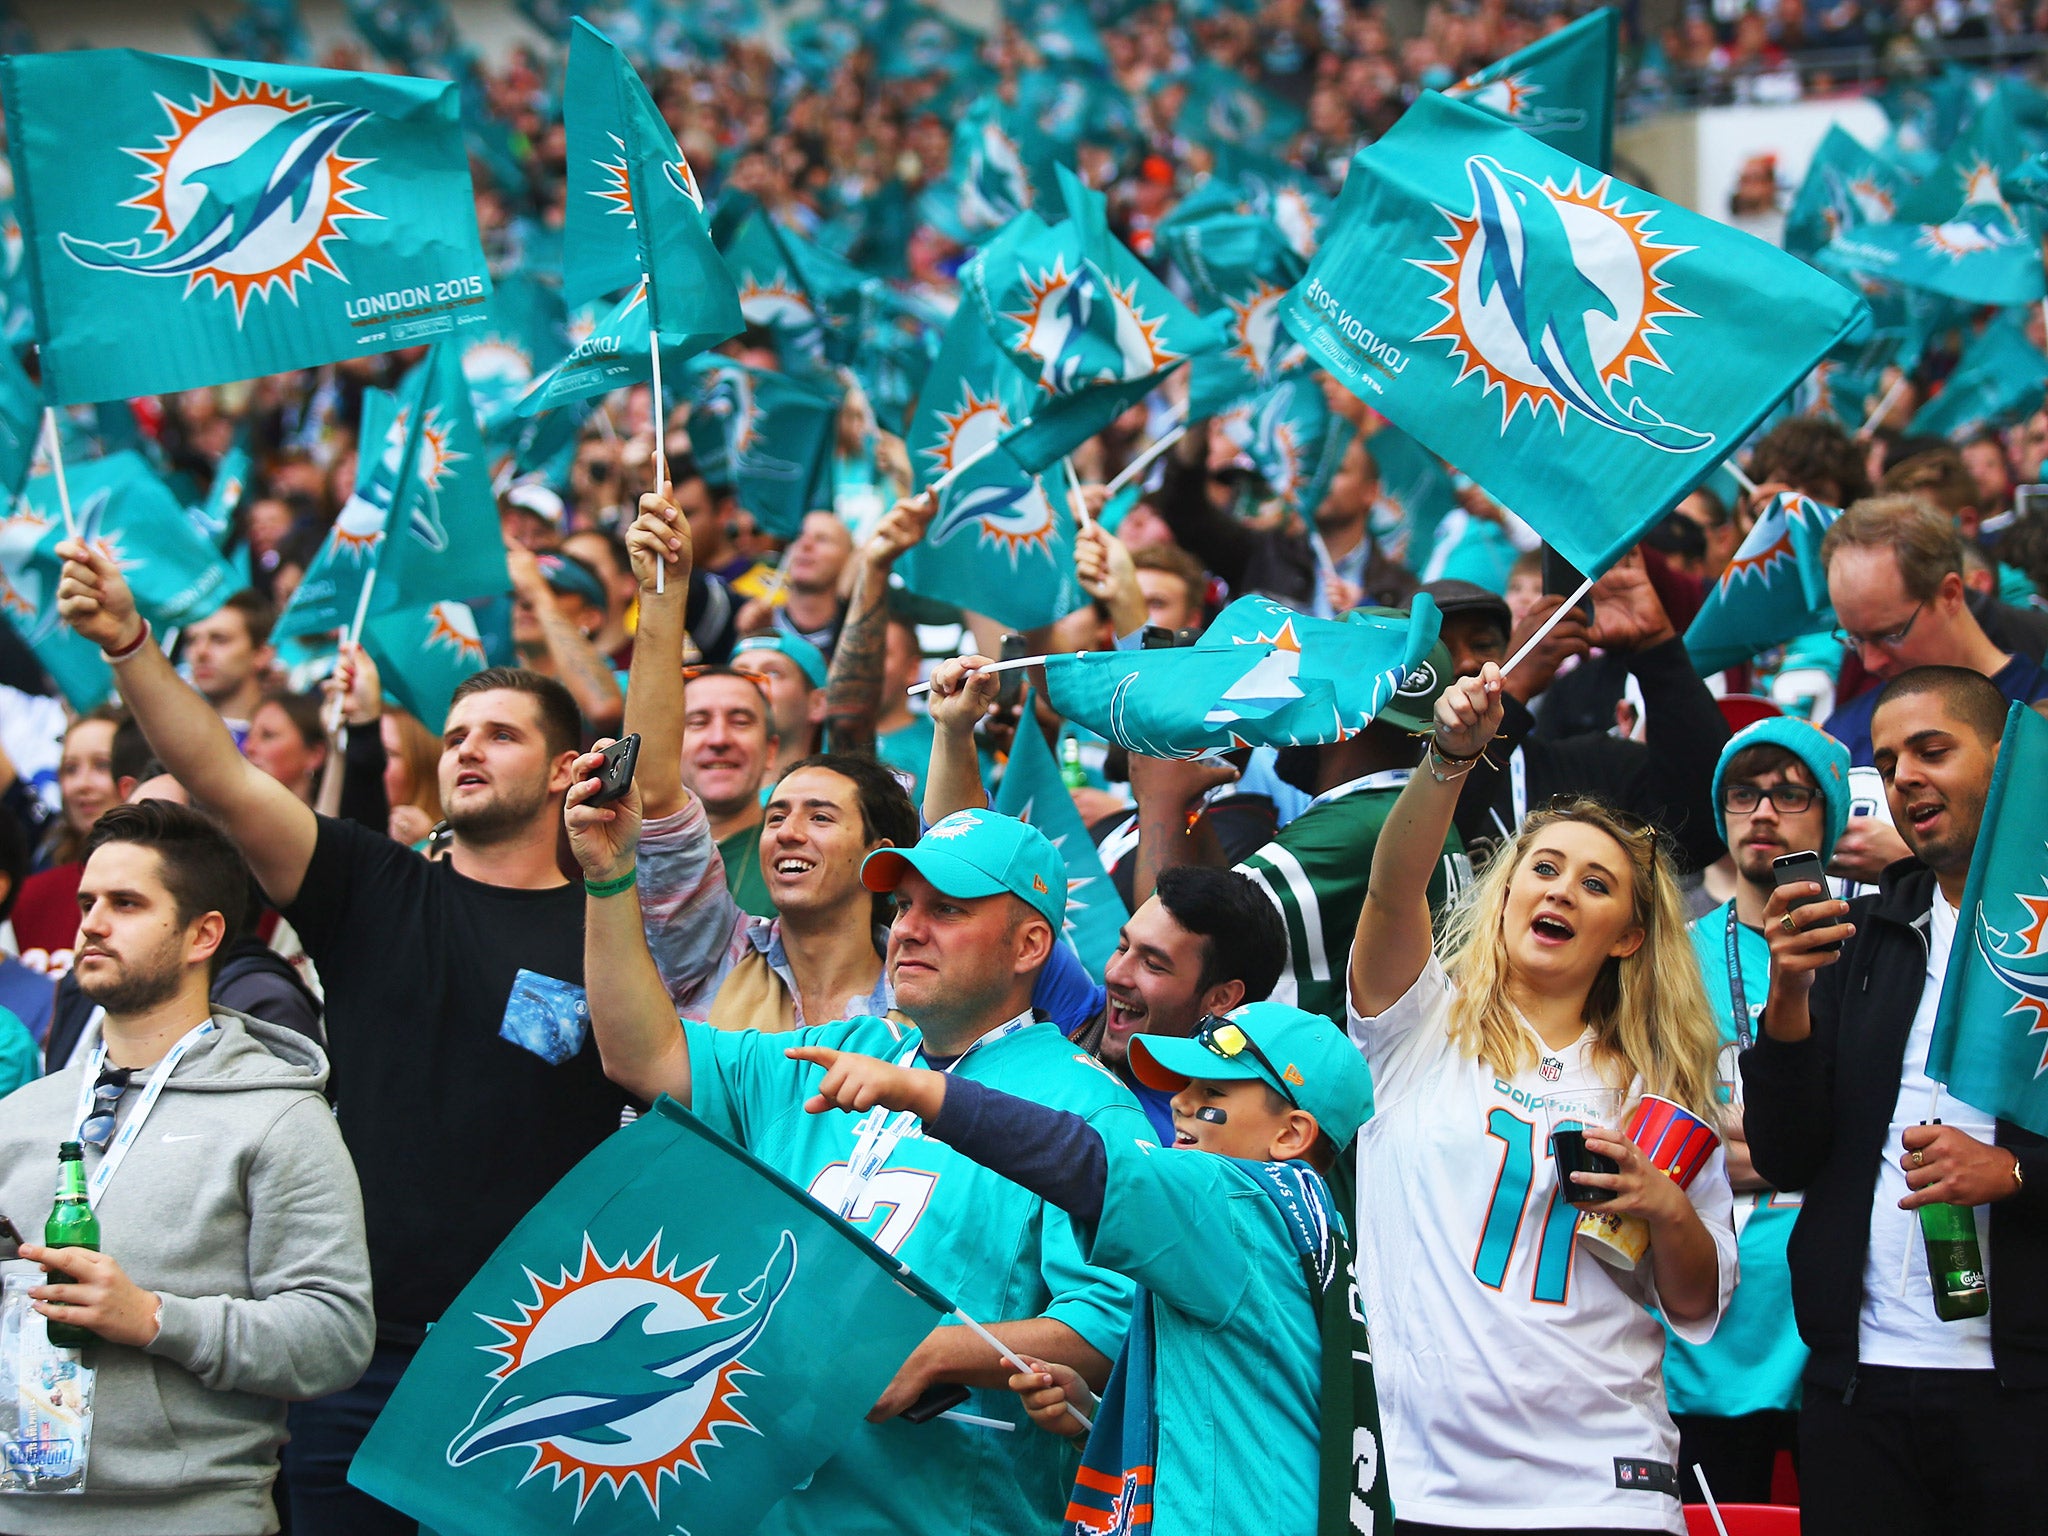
column 1648, row 1010
column 421, row 754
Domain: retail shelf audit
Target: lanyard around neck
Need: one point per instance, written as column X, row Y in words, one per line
column 103, row 1175
column 880, row 1130
column 1738, row 1001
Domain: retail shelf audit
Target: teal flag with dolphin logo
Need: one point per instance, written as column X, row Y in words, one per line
column 1001, row 532
column 1033, row 792
column 1219, row 104
column 1999, row 379
column 21, row 423
column 1081, row 318
column 767, row 435
column 424, row 652
column 1416, row 490
column 325, row 598
column 1955, row 233
column 673, row 1339
column 244, row 218
column 1239, row 267
column 1560, row 88
column 1847, row 186
column 1262, row 675
column 987, row 183
column 527, row 330
column 634, row 208
column 1775, row 588
column 1586, row 352
column 1292, row 438
column 1990, row 1044
column 121, row 508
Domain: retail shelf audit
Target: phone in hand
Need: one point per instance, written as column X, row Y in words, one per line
column 1798, row 869
column 615, row 773
column 1561, row 579
column 1010, row 685
column 935, row 1400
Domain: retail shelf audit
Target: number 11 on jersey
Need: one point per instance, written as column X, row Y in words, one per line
column 1504, row 1216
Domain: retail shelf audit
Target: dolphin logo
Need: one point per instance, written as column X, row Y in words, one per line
column 1019, row 512
column 1525, row 256
column 581, row 1392
column 1509, row 97
column 238, row 197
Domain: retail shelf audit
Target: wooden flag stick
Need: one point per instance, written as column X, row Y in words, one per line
column 57, row 468
column 1144, row 460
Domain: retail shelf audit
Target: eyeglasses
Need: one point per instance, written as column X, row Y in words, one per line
column 1786, row 798
column 1229, row 1041
column 98, row 1128
column 1890, row 640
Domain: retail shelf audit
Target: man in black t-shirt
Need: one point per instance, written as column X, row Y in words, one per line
column 459, row 1111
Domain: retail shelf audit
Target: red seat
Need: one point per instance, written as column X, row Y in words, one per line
column 1743, row 1520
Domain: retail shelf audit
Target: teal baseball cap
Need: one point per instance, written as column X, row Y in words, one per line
column 809, row 659
column 1301, row 1056
column 979, row 853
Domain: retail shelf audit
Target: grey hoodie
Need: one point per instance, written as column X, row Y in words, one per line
column 238, row 1205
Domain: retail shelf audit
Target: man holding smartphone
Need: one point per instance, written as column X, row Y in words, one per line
column 1906, row 1421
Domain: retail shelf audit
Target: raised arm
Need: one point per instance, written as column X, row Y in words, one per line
column 272, row 826
column 639, row 1038
column 1393, row 939
column 581, row 669
column 654, row 695
column 853, row 689
column 962, row 695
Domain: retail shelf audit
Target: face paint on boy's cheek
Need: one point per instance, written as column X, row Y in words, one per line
column 1213, row 1115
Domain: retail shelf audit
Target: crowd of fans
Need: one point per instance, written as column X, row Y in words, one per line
column 1504, row 884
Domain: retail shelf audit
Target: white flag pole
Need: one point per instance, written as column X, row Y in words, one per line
column 1548, row 624
column 995, row 666
column 1144, row 460
column 1700, row 1473
column 1075, row 499
column 1003, row 1352
column 57, row 468
column 660, row 444
column 963, row 466
column 1884, row 406
column 1735, row 471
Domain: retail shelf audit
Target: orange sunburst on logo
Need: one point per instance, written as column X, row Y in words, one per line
column 564, row 1313
column 1086, row 330
column 618, row 187
column 246, row 191
column 1617, row 254
column 451, row 625
column 1255, row 322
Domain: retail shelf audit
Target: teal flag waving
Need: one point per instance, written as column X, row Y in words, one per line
column 1990, row 1041
column 1560, row 88
column 1294, row 440
column 1999, row 379
column 28, row 601
column 1082, row 318
column 609, row 356
column 1001, row 532
column 244, row 218
column 1774, row 590
column 122, row 508
column 1239, row 267
column 635, row 211
column 670, row 1341
column 767, row 435
column 325, row 599
column 1846, row 187
column 527, row 331
column 1033, row 792
column 1586, row 352
column 450, row 546
column 989, row 183
column 1261, row 675
column 1217, row 103
column 424, row 652
column 1417, row 491
column 21, row 422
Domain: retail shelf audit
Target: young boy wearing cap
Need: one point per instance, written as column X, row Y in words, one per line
column 1235, row 1392
column 1780, row 787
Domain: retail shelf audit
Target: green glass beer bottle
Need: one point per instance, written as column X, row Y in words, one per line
column 71, row 1225
column 1955, row 1264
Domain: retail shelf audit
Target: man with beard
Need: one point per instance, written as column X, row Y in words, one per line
column 1781, row 787
column 462, row 1083
column 1907, row 1420
column 232, row 1276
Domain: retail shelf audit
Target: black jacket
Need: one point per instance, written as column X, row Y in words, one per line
column 1818, row 1112
column 1666, row 778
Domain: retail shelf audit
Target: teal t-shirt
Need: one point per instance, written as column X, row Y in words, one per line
column 20, row 1061
column 1753, row 1361
column 1236, row 1337
column 998, row 1251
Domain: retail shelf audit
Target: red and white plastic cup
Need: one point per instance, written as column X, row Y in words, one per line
column 1679, row 1143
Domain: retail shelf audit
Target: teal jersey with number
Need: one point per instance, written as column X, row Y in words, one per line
column 1236, row 1338
column 1752, row 1363
column 999, row 1252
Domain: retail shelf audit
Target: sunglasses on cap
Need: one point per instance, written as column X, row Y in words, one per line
column 1228, row 1040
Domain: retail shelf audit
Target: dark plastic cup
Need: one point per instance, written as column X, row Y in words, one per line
column 1568, row 1146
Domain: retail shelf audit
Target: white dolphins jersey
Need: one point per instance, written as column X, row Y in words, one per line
column 1521, row 1380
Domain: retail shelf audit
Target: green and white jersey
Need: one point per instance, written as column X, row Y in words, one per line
column 1237, row 1342
column 999, row 1252
column 1315, row 871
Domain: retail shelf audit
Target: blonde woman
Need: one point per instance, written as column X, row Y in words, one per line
column 412, row 785
column 1520, row 1378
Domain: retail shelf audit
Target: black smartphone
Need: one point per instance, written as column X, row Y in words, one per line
column 615, row 773
column 1010, row 684
column 1797, row 869
column 1561, row 579
column 935, row 1401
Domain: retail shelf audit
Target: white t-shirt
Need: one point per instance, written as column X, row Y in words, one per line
column 1898, row 1325
column 1520, row 1379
